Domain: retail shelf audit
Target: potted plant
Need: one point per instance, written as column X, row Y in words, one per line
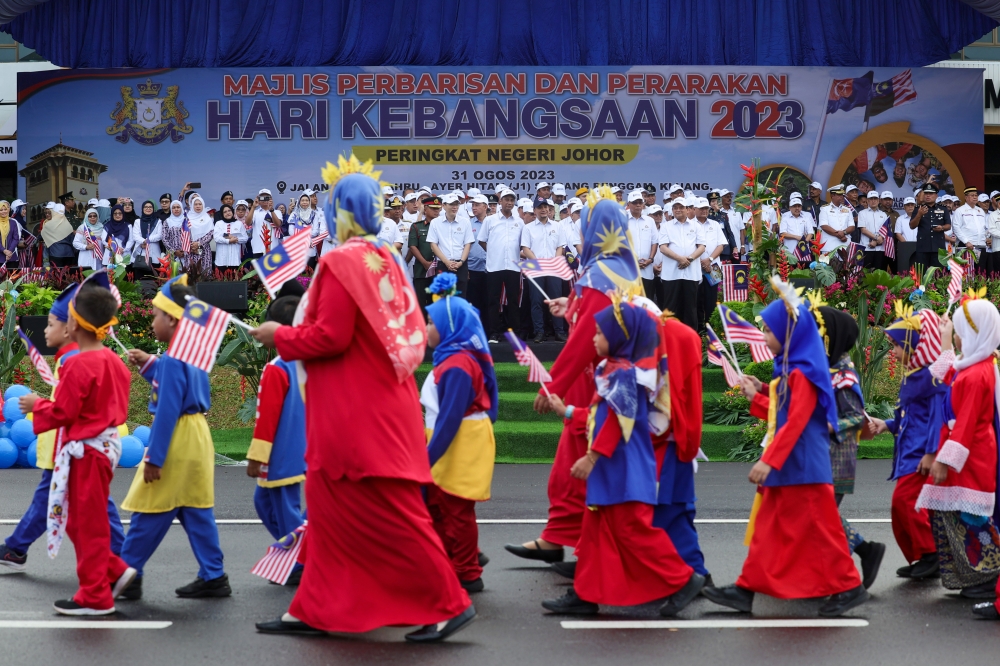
column 33, row 304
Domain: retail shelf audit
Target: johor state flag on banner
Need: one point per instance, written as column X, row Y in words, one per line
column 284, row 263
column 847, row 94
column 735, row 280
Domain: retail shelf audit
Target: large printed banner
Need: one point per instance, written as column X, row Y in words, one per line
column 141, row 133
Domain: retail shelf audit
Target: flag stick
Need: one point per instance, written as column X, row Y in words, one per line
column 537, row 287
column 111, row 332
column 520, row 348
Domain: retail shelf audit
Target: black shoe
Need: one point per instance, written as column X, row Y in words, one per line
column 133, row 592
column 70, row 607
column 473, row 586
column 570, row 604
column 483, row 559
column 123, row 583
column 982, row 591
column 433, row 633
column 731, row 596
column 567, row 569
column 840, row 603
column 217, row 587
column 10, row 560
column 928, row 566
column 708, row 583
column 682, row 597
column 871, row 561
column 538, row 339
column 560, row 337
column 295, row 577
column 279, row 626
column 986, row 610
column 905, row 572
column 536, row 553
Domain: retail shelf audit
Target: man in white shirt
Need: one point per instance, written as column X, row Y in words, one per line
column 558, row 199
column 540, row 240
column 795, row 225
column 500, row 238
column 411, row 203
column 655, row 213
column 462, row 214
column 645, row 240
column 993, row 234
column 904, row 234
column 871, row 221
column 451, row 241
column 264, row 215
column 713, row 239
column 736, row 225
column 970, row 225
column 836, row 222
column 648, row 199
column 477, row 257
column 681, row 272
column 390, row 232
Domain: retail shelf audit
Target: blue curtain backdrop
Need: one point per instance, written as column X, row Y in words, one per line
column 268, row 33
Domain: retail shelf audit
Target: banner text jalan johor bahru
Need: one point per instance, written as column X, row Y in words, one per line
column 372, row 112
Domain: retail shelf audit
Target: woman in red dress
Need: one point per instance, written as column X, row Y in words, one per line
column 374, row 559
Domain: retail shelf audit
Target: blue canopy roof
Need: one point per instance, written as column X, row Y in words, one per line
column 266, row 33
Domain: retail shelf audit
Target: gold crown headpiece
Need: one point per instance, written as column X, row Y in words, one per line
column 331, row 174
column 905, row 318
column 815, row 300
column 597, row 193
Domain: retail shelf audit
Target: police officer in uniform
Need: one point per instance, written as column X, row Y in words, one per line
column 715, row 213
column 930, row 220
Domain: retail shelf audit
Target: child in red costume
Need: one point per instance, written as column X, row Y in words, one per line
column 798, row 549
column 91, row 401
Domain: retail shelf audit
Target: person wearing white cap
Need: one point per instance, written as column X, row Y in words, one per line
column 541, row 239
column 969, row 225
column 737, row 227
column 933, row 223
column 711, row 236
column 411, row 208
column 814, row 202
column 644, row 240
column 681, row 246
column 655, row 213
column 451, row 242
column 871, row 222
column 558, row 198
column 675, row 192
column 648, row 198
column 617, row 191
column 886, row 202
column 264, row 215
column 851, row 197
column 836, row 222
column 795, row 225
column 984, row 203
column 390, row 233
column 500, row 238
column 905, row 234
column 993, row 233
column 543, row 190
column 480, row 208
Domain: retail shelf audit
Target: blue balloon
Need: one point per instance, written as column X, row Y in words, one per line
column 23, row 433
column 32, row 452
column 132, row 451
column 142, row 432
column 12, row 413
column 15, row 391
column 8, row 453
column 4, row 430
column 22, row 457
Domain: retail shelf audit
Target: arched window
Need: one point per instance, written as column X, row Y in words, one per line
column 76, row 172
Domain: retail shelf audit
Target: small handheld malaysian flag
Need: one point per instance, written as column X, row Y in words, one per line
column 735, row 282
column 96, row 249
column 955, row 286
column 319, row 238
column 286, row 262
column 525, row 357
column 276, row 566
column 716, row 356
column 199, row 335
column 739, row 329
column 552, row 267
column 890, row 241
column 803, row 252
column 44, row 371
column 185, row 236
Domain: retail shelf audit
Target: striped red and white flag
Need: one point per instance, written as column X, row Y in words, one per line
column 955, row 286
column 319, row 238
column 199, row 335
column 716, row 356
column 277, row 564
column 44, row 371
column 525, row 357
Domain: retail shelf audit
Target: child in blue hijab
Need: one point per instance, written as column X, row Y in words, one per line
column 798, row 549
column 460, row 400
column 622, row 559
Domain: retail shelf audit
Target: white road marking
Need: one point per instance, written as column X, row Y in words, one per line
column 82, row 624
column 714, row 624
column 495, row 521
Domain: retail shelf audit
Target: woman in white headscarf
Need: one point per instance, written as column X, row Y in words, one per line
column 304, row 218
column 59, row 237
column 202, row 232
column 89, row 235
column 961, row 487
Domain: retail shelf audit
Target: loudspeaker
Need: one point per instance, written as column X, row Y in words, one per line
column 904, row 255
column 808, row 283
column 228, row 296
column 34, row 327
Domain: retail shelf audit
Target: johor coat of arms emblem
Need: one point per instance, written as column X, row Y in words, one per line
column 148, row 118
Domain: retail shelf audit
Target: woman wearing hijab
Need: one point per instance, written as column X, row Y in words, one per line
column 608, row 266
column 202, row 230
column 121, row 231
column 59, row 237
column 798, row 549
column 172, row 231
column 916, row 424
column 9, row 238
column 90, row 236
column 147, row 231
column 839, row 331
column 960, row 490
column 305, row 218
column 128, row 207
column 230, row 234
column 367, row 517
column 27, row 241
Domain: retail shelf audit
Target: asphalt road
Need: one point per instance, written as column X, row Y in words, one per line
column 917, row 623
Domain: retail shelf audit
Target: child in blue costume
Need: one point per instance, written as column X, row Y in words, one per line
column 176, row 478
column 798, row 549
column 622, row 559
column 277, row 451
column 460, row 400
column 14, row 550
column 917, row 424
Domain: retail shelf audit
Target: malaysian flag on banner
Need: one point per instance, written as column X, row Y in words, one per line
column 536, row 371
column 96, row 249
column 955, row 286
column 716, row 356
column 739, row 329
column 890, row 240
column 185, row 236
column 735, row 281
column 554, row 267
column 897, row 91
column 284, row 263
column 199, row 335
column 44, row 371
column 276, row 566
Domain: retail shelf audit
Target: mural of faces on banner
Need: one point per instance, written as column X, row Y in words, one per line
column 897, row 167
